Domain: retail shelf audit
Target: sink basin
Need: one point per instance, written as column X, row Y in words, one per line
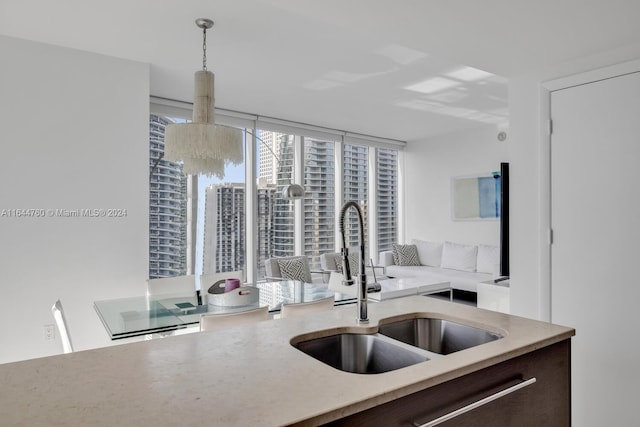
column 360, row 353
column 437, row 335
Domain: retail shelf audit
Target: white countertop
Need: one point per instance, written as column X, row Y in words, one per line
column 244, row 375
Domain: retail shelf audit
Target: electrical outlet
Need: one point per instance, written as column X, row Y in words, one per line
column 49, row 333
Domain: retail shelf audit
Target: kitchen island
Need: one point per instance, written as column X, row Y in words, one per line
column 252, row 375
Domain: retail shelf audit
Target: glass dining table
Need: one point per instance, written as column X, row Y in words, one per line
column 143, row 315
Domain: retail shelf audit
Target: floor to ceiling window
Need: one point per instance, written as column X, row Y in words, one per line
column 179, row 204
column 200, row 225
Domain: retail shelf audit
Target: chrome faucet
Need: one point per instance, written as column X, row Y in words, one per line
column 361, row 279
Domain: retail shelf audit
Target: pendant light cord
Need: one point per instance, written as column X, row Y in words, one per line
column 204, row 48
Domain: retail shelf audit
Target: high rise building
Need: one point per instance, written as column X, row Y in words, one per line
column 167, row 208
column 355, row 183
column 283, row 222
column 269, row 144
column 266, row 219
column 224, row 228
column 319, row 203
column 387, row 192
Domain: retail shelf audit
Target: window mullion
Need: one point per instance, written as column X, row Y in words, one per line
column 339, row 194
column 251, row 208
column 372, row 177
column 298, row 211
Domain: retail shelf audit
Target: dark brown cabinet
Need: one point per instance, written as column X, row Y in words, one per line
column 545, row 402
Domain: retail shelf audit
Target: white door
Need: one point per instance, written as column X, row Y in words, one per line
column 595, row 255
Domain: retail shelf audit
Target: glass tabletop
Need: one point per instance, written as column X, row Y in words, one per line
column 141, row 315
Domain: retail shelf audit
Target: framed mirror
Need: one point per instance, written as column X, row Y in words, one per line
column 476, row 197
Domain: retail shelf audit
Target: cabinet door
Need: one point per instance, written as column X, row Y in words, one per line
column 543, row 403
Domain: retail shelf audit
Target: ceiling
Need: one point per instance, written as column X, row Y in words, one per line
column 396, row 69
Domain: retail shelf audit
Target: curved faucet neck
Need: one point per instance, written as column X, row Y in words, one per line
column 361, row 280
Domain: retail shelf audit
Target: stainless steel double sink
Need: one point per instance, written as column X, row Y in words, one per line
column 396, row 344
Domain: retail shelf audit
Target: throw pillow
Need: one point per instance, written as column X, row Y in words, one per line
column 293, row 268
column 429, row 253
column 459, row 257
column 405, row 255
column 488, row 258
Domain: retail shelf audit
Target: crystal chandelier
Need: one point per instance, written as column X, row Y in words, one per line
column 202, row 146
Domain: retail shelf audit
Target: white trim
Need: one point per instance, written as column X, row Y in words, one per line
column 593, row 76
column 251, row 208
column 401, row 199
column 298, row 211
column 544, row 207
column 373, row 141
column 284, row 126
column 338, row 154
column 372, row 206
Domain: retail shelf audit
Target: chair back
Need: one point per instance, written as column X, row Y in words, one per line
column 209, row 322
column 292, row 268
column 177, row 286
column 61, row 323
column 300, row 308
column 333, row 261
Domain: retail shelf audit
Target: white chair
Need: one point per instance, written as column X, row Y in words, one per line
column 178, row 286
column 300, row 308
column 208, row 280
column 292, row 268
column 61, row 323
column 209, row 322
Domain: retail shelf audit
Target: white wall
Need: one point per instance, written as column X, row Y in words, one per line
column 74, row 135
column 429, row 166
column 529, row 184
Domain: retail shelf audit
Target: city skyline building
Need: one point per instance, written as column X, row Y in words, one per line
column 167, row 208
column 269, row 143
column 319, row 204
column 387, row 195
column 355, row 182
column 224, row 228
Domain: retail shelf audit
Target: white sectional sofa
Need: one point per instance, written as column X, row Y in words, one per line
column 464, row 266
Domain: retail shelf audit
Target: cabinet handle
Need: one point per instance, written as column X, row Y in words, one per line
column 477, row 404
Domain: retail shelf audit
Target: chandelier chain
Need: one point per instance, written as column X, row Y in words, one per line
column 204, row 49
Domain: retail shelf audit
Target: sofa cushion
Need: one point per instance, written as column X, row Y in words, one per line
column 405, row 255
column 462, row 280
column 488, row 258
column 459, row 257
column 429, row 253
